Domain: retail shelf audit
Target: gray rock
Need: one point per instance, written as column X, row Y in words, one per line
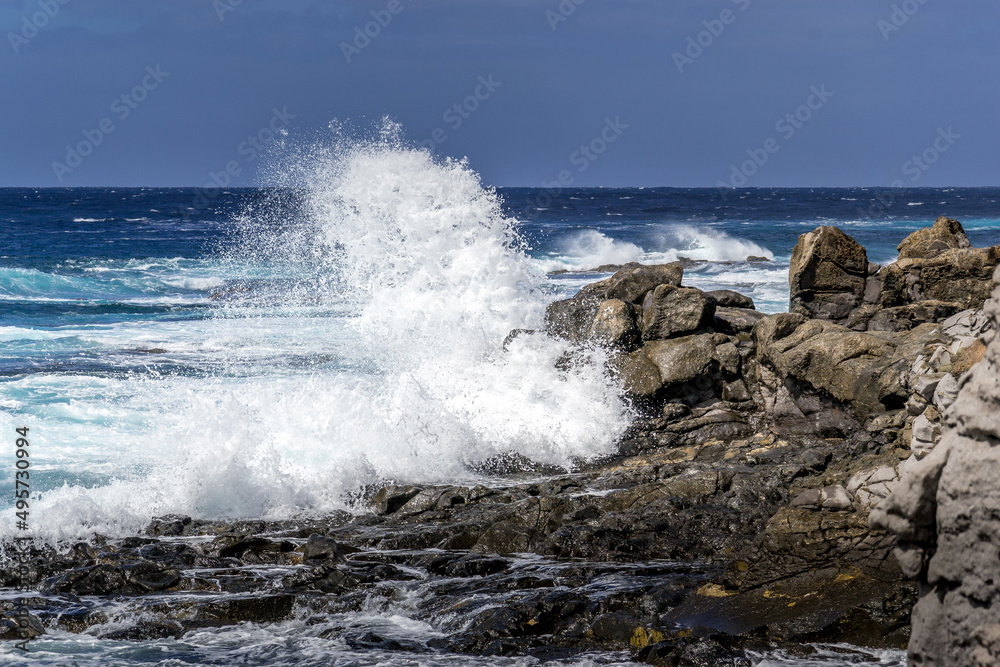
column 633, row 281
column 726, row 298
column 736, row 320
column 828, row 274
column 670, row 311
column 945, row 392
column 836, row 498
column 615, row 325
column 682, row 359
column 945, row 513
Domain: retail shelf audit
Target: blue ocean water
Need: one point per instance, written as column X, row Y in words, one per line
column 270, row 352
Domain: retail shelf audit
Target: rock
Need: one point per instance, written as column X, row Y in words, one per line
column 572, row 319
column 322, row 547
column 726, row 298
column 757, row 258
column 925, row 385
column 903, row 318
column 615, row 325
column 20, row 627
column 945, row 514
column 946, row 392
column 852, row 367
column 734, row 321
column 669, row 311
column 968, row 358
column 390, row 498
column 170, row 525
column 637, row 373
column 682, row 359
column 811, row 498
column 828, row 274
column 945, row 234
column 835, row 498
column 962, row 276
column 266, row 609
column 633, row 281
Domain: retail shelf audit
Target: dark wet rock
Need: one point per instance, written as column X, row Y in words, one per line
column 390, row 498
column 322, row 547
column 170, row 525
column 827, row 275
column 695, row 652
column 671, row 311
column 20, row 626
column 726, row 298
column 151, row 577
column 267, row 609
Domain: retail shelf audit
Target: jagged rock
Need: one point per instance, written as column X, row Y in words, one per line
column 862, row 369
column 634, row 280
column 390, row 498
column 945, row 234
column 670, row 311
column 945, row 513
column 827, row 275
column 615, row 325
column 902, row 318
column 726, row 298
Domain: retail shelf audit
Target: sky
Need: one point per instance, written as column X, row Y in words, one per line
column 535, row 93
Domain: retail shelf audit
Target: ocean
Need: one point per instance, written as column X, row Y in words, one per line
column 271, row 353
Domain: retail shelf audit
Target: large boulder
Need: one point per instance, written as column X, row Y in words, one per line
column 827, row 275
column 945, row 234
column 670, row 311
column 573, row 318
column 682, row 359
column 615, row 325
column 727, row 298
column 631, row 283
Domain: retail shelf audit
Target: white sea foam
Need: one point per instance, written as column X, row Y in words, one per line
column 395, row 288
column 589, row 248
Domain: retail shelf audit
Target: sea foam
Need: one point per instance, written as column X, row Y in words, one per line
column 367, row 348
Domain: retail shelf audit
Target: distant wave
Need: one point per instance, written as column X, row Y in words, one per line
column 590, row 248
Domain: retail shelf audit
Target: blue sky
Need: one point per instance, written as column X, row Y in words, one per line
column 604, row 92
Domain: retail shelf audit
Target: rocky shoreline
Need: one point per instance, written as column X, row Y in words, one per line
column 734, row 518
